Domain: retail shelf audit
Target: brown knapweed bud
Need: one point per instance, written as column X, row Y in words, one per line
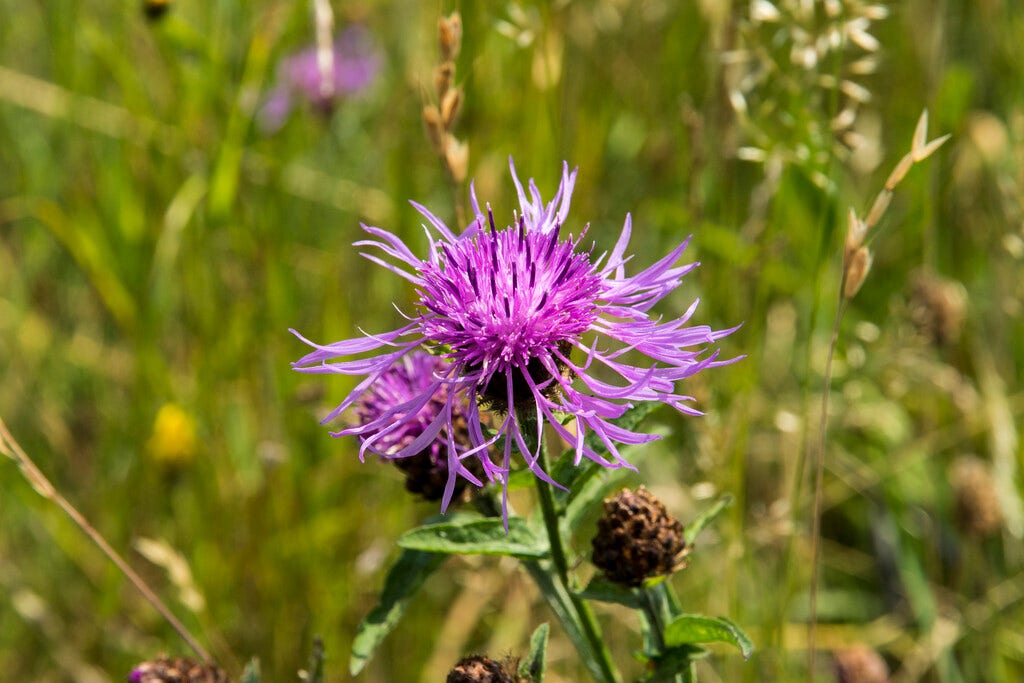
column 977, row 511
column 860, row 664
column 166, row 669
column 480, row 669
column 637, row 539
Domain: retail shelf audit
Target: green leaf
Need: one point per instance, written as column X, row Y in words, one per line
column 696, row 628
column 536, row 661
column 705, row 518
column 404, row 579
column 603, row 590
column 477, row 536
column 251, row 674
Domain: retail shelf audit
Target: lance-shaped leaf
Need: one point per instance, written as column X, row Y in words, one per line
column 477, row 536
column 603, row 590
column 251, row 674
column 404, row 579
column 533, row 667
column 705, row 518
column 697, row 628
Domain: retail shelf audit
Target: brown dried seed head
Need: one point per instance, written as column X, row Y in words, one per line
column 637, row 539
column 449, row 34
column 937, row 307
column 165, row 669
column 977, row 510
column 480, row 669
column 860, row 664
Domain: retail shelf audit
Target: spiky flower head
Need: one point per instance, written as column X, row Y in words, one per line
column 426, row 472
column 508, row 309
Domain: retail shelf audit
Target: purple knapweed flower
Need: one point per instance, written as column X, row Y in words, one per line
column 356, row 63
column 426, row 472
column 508, row 308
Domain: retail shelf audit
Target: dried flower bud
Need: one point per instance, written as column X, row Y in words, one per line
column 857, row 271
column 449, row 35
column 165, row 669
column 480, row 669
column 937, row 307
column 860, row 664
column 977, row 510
column 637, row 539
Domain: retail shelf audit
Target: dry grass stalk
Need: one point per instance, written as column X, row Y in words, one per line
column 856, row 266
column 323, row 17
column 439, row 118
column 10, row 447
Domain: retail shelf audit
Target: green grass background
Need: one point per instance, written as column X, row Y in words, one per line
column 155, row 246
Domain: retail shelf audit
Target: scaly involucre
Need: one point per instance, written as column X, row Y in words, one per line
column 505, row 308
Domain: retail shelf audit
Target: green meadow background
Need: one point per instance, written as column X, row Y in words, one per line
column 156, row 245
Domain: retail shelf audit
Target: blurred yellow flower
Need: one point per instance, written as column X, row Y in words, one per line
column 173, row 441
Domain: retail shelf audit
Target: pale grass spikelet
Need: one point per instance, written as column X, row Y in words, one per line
column 857, row 271
column 783, row 77
column 857, row 258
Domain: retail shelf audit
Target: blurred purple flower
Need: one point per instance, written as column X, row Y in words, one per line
column 356, row 63
column 506, row 308
column 385, row 404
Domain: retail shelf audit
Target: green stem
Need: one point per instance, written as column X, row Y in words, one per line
column 558, row 598
column 661, row 606
column 584, row 614
column 819, row 487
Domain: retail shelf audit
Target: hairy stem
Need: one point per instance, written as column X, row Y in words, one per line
column 584, row 614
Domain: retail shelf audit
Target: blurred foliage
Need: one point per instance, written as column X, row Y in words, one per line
column 155, row 246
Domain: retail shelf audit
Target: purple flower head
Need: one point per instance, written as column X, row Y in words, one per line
column 509, row 308
column 426, row 471
column 356, row 63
